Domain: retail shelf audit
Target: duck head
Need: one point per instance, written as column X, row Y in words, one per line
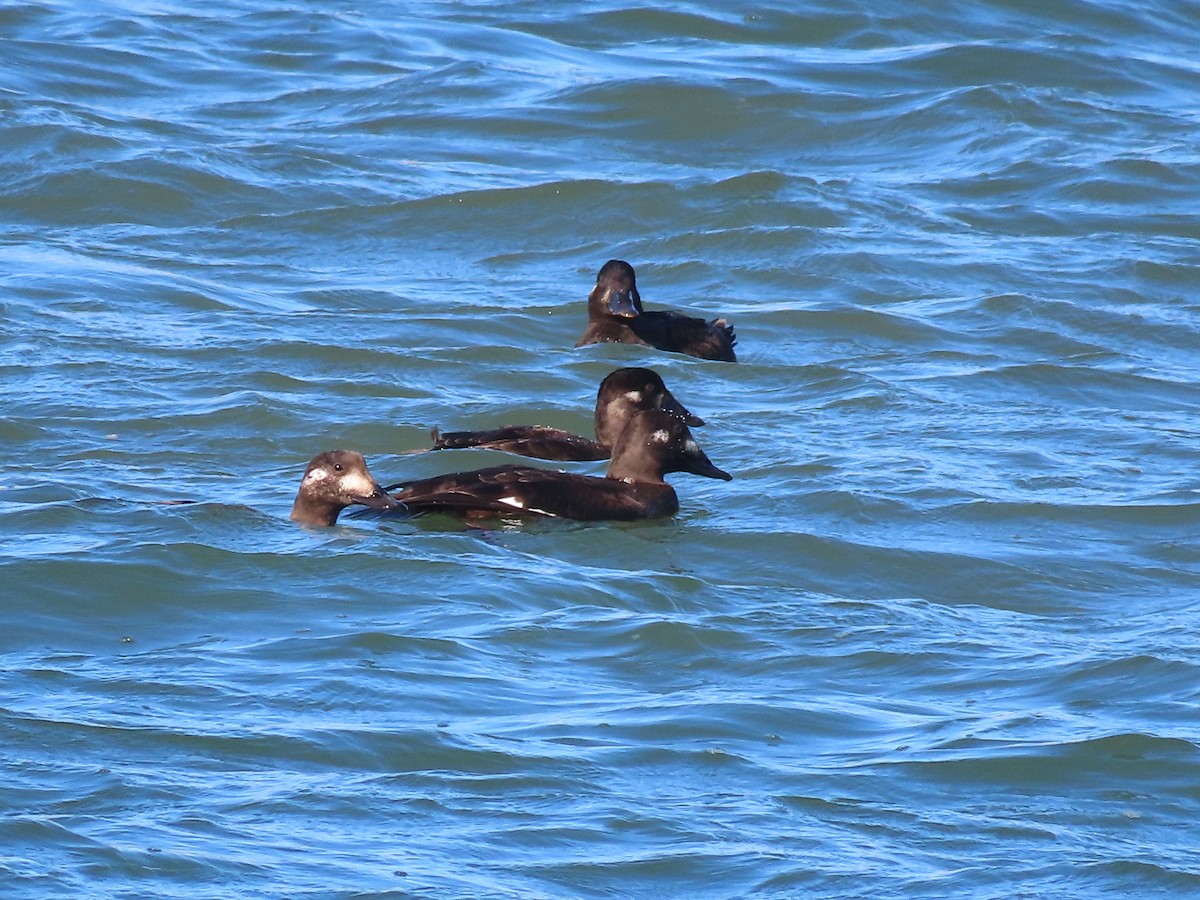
column 334, row 480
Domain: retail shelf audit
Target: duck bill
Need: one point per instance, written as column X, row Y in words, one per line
column 679, row 411
column 378, row 499
column 698, row 463
column 621, row 303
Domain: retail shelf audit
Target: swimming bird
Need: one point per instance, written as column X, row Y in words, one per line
column 615, row 315
column 334, row 480
column 622, row 394
column 653, row 444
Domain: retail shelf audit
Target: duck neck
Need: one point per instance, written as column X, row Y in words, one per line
column 308, row 511
column 609, row 422
column 633, row 468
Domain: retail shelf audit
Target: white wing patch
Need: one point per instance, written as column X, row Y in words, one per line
column 661, row 436
column 515, row 503
column 691, row 446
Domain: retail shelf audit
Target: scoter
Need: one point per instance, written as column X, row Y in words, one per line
column 653, row 444
column 615, row 315
column 622, row 394
column 334, row 480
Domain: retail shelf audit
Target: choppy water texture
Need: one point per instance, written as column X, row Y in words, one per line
column 938, row 638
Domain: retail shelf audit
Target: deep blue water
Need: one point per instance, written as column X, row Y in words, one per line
column 940, row 637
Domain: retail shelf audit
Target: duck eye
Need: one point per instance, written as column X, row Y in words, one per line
column 337, row 467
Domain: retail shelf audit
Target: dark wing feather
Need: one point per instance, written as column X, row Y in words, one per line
column 539, row 441
column 687, row 334
column 539, row 492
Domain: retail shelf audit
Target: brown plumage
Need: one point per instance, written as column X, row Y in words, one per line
column 621, row 395
column 615, row 315
column 334, row 480
column 653, row 444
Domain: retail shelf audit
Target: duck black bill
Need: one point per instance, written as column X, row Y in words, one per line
column 620, row 303
column 708, row 470
column 379, row 499
column 679, row 411
column 698, row 463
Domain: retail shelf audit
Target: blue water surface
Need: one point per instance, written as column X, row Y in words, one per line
column 937, row 638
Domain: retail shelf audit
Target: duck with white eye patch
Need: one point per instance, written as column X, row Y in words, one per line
column 622, row 394
column 334, row 480
column 654, row 443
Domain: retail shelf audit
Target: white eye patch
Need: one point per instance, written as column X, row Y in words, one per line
column 358, row 484
column 317, row 475
column 633, row 396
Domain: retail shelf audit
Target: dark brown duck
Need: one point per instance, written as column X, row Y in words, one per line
column 615, row 315
column 334, row 480
column 622, row 395
column 653, row 444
